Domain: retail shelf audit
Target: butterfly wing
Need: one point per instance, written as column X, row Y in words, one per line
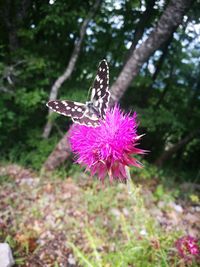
column 100, row 94
column 94, row 122
column 67, row 108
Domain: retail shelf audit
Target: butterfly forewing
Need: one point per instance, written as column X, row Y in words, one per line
column 67, row 108
column 100, row 94
column 104, row 104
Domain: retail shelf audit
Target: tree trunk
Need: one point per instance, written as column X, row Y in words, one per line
column 168, row 22
column 169, row 153
column 70, row 67
column 59, row 154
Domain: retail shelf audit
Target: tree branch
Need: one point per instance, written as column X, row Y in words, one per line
column 169, row 21
column 70, row 67
column 168, row 154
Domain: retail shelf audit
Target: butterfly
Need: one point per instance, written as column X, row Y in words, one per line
column 93, row 110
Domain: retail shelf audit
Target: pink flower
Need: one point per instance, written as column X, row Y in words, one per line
column 109, row 147
column 187, row 247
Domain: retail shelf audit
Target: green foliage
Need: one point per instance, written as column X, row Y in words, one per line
column 162, row 193
column 96, row 203
column 149, row 171
column 4, row 179
column 39, row 149
column 37, row 46
column 28, row 101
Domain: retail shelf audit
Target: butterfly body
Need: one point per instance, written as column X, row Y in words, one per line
column 92, row 111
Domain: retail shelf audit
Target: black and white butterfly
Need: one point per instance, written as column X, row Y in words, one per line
column 94, row 109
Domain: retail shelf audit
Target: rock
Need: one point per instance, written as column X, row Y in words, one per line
column 6, row 258
column 177, row 208
column 126, row 212
column 115, row 212
column 29, row 181
column 71, row 260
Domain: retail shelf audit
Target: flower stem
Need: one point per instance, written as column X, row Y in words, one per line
column 129, row 181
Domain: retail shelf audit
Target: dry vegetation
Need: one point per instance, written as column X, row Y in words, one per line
column 78, row 222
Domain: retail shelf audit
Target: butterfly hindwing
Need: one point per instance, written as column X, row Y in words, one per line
column 100, row 94
column 86, row 121
column 67, row 108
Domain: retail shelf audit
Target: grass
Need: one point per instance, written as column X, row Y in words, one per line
column 135, row 239
column 100, row 226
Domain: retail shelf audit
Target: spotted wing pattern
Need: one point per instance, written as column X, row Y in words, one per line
column 87, row 121
column 100, row 94
column 67, row 108
column 83, row 113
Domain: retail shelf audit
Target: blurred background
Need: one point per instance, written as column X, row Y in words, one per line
column 51, row 49
column 40, row 39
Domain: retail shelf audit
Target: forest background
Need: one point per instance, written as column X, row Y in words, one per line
column 42, row 40
column 51, row 50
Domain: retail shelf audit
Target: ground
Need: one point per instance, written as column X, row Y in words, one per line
column 76, row 221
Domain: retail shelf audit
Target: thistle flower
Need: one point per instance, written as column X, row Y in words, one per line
column 109, row 147
column 187, row 247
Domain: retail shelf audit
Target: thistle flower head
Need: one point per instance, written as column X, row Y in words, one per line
column 109, row 147
column 187, row 247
